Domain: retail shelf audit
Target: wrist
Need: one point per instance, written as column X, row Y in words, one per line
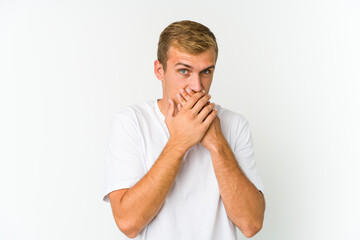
column 219, row 146
column 177, row 147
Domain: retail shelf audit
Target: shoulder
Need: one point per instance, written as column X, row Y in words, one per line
column 134, row 111
column 230, row 118
column 128, row 118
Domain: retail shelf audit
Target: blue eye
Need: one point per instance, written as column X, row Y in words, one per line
column 183, row 70
column 207, row 71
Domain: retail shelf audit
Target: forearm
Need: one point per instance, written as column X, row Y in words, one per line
column 141, row 203
column 243, row 202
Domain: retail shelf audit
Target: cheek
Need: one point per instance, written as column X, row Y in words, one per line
column 173, row 84
column 206, row 83
column 177, row 82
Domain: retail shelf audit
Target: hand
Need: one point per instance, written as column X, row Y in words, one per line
column 190, row 124
column 214, row 135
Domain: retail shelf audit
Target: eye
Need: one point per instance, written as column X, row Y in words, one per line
column 207, row 71
column 182, row 71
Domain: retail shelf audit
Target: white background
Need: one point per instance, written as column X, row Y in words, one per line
column 290, row 67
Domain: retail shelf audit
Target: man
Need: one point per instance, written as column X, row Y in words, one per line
column 181, row 167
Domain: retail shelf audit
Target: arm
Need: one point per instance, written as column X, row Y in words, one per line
column 139, row 205
column 244, row 203
column 135, row 207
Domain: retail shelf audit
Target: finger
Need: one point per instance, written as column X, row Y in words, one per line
column 179, row 106
column 210, row 118
column 170, row 109
column 181, row 99
column 201, row 103
column 208, row 102
column 194, row 98
column 187, row 93
column 205, row 111
column 190, row 91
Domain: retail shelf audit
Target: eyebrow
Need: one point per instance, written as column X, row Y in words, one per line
column 188, row 66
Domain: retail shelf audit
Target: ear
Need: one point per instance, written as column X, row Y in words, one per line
column 159, row 70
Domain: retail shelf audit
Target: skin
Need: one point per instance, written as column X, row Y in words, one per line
column 176, row 77
column 244, row 204
column 190, row 119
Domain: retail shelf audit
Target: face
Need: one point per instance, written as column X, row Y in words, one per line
column 185, row 70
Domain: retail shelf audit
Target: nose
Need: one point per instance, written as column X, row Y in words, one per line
column 195, row 83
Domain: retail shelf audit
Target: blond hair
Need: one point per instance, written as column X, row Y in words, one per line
column 188, row 36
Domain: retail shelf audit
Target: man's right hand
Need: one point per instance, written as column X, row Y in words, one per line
column 190, row 124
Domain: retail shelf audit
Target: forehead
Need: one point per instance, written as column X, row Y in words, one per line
column 206, row 58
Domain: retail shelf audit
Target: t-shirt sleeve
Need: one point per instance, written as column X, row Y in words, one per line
column 244, row 153
column 124, row 163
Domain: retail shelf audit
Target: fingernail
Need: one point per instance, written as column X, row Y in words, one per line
column 203, row 91
column 188, row 90
column 169, row 100
column 178, row 95
column 209, row 96
column 182, row 90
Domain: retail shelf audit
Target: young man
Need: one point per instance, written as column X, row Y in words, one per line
column 181, row 167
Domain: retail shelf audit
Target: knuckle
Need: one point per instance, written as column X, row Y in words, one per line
column 189, row 115
column 204, row 99
column 209, row 108
column 203, row 127
column 198, row 95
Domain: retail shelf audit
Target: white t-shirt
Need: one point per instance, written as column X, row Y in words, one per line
column 193, row 208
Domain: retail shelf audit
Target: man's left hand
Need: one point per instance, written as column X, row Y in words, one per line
column 214, row 135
